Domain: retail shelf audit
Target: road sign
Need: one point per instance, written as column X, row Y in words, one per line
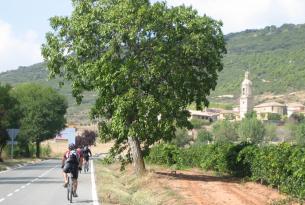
column 12, row 142
column 12, row 133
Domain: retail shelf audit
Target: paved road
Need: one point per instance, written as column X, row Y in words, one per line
column 42, row 184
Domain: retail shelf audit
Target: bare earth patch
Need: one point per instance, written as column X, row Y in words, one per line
column 205, row 189
column 192, row 187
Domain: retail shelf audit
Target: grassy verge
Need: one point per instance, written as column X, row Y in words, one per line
column 124, row 188
column 9, row 163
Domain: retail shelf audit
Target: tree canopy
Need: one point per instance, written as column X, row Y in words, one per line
column 42, row 112
column 146, row 62
column 7, row 106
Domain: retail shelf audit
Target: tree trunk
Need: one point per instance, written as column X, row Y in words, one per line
column 1, row 148
column 37, row 149
column 137, row 158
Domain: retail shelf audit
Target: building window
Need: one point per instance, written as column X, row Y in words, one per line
column 244, row 91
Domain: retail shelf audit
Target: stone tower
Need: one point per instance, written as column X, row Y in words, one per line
column 246, row 99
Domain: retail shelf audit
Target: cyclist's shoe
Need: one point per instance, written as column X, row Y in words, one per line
column 75, row 194
column 65, row 184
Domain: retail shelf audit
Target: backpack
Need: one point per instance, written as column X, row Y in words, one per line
column 72, row 157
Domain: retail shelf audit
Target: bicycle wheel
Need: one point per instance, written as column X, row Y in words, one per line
column 87, row 166
column 68, row 189
column 71, row 189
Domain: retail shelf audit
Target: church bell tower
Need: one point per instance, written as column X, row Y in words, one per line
column 246, row 99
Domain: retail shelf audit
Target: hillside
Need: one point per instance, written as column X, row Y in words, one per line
column 275, row 57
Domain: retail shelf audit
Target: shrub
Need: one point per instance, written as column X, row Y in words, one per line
column 203, row 137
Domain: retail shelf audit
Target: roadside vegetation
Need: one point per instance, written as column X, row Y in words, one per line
column 37, row 111
column 115, row 186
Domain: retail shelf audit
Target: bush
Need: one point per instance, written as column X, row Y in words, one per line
column 274, row 116
column 224, row 131
column 280, row 166
column 198, row 123
column 203, row 137
column 182, row 138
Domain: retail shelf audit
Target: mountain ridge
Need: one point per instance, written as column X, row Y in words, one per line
column 275, row 57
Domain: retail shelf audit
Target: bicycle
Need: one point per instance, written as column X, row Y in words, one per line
column 86, row 166
column 70, row 187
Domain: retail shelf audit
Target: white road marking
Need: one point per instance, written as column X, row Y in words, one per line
column 93, row 188
column 22, row 187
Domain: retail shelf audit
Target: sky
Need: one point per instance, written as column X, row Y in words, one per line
column 23, row 23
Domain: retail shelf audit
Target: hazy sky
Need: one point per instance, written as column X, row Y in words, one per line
column 23, row 23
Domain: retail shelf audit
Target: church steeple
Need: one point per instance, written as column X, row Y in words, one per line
column 246, row 96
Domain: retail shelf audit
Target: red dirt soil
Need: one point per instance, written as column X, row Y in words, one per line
column 199, row 188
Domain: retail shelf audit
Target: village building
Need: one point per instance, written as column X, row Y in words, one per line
column 263, row 109
column 295, row 108
column 204, row 115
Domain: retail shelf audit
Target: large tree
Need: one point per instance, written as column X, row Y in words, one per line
column 7, row 105
column 146, row 62
column 42, row 113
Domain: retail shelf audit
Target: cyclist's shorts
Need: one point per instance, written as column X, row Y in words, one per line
column 86, row 157
column 71, row 168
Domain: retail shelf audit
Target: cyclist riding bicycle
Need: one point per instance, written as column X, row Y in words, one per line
column 86, row 154
column 71, row 163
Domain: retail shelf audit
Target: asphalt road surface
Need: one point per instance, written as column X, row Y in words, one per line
column 42, row 184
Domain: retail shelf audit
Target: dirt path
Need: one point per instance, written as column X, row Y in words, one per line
column 205, row 189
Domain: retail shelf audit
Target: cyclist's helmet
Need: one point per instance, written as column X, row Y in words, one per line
column 71, row 146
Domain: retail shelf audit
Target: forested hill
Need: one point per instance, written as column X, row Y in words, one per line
column 37, row 73
column 275, row 57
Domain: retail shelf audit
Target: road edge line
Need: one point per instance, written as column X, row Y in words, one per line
column 93, row 186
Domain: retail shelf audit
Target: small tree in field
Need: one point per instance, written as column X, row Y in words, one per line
column 251, row 130
column 146, row 62
column 225, row 131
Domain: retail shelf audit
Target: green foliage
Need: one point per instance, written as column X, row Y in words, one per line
column 280, row 166
column 274, row 56
column 203, row 137
column 300, row 134
column 141, row 61
column 251, row 130
column 182, row 138
column 225, row 131
column 42, row 112
column 198, row 123
column 270, row 133
column 274, row 116
column 163, row 154
column 38, row 74
column 7, row 111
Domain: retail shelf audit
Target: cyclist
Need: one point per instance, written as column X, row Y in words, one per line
column 79, row 150
column 86, row 154
column 71, row 162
